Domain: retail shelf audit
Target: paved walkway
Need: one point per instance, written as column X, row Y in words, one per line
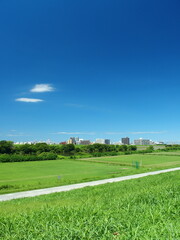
column 44, row 191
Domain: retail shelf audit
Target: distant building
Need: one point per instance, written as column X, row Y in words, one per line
column 125, row 141
column 77, row 139
column 101, row 141
column 107, row 141
column 72, row 140
column 84, row 142
column 142, row 141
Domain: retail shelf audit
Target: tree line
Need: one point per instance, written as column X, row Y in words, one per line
column 8, row 147
column 42, row 151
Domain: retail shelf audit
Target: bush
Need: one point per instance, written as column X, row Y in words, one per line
column 47, row 156
column 6, row 147
column 17, row 158
column 24, row 158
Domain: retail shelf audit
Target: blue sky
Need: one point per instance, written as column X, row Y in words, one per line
column 93, row 69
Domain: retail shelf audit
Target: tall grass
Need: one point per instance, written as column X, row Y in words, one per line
column 139, row 209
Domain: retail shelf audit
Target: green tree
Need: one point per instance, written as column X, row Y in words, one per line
column 68, row 149
column 41, row 147
column 122, row 148
column 25, row 149
column 150, row 148
column 6, row 147
column 132, row 148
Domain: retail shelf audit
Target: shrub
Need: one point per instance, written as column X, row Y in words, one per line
column 47, row 156
column 17, row 158
column 27, row 157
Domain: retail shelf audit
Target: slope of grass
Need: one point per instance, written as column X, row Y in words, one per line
column 21, row 176
column 33, row 175
column 146, row 160
column 139, row 209
column 169, row 153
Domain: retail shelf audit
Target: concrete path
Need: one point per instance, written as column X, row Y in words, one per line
column 39, row 192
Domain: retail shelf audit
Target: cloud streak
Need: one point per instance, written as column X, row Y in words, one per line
column 108, row 133
column 40, row 88
column 29, row 100
column 14, row 133
column 86, row 107
column 119, row 133
column 75, row 133
column 74, row 105
column 160, row 132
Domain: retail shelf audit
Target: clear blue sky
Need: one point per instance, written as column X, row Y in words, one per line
column 93, row 69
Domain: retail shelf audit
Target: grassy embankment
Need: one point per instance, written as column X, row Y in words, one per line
column 41, row 174
column 139, row 209
column 169, row 153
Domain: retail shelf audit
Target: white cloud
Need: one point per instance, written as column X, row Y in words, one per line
column 32, row 100
column 75, row 133
column 14, row 135
column 74, row 105
column 86, row 107
column 116, row 133
column 147, row 132
column 42, row 88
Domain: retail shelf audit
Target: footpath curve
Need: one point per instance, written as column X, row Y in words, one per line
column 33, row 193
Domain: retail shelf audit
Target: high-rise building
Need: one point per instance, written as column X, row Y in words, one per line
column 99, row 140
column 103, row 141
column 125, row 141
column 77, row 139
column 71, row 141
column 142, row 141
column 84, row 142
column 107, row 141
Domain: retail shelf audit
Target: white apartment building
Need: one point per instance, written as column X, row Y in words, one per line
column 142, row 141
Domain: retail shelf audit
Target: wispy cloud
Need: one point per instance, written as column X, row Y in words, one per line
column 86, row 107
column 16, row 134
column 119, row 133
column 42, row 88
column 74, row 105
column 29, row 100
column 75, row 133
column 107, row 133
column 160, row 132
column 115, row 133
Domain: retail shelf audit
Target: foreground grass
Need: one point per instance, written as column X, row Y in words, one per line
column 146, row 208
column 21, row 176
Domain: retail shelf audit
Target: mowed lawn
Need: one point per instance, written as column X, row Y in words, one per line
column 174, row 153
column 138, row 209
column 21, row 176
column 145, row 160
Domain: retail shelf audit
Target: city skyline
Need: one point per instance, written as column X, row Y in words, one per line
column 94, row 69
column 81, row 141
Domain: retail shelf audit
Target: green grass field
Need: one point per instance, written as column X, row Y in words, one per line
column 146, row 160
column 139, row 209
column 21, row 176
column 40, row 174
column 170, row 153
